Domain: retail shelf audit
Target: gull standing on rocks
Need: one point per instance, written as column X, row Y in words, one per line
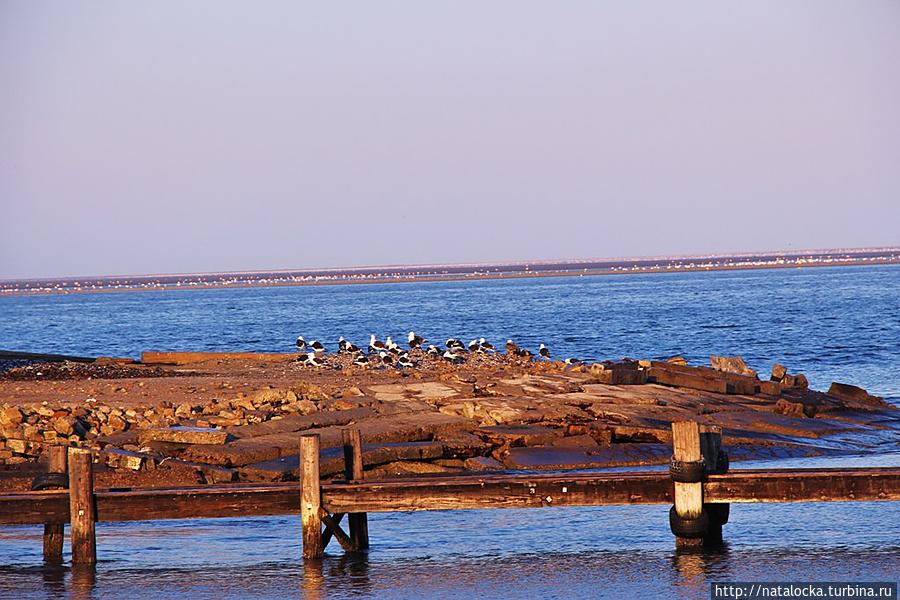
column 415, row 341
column 375, row 344
column 317, row 346
column 544, row 351
column 301, row 343
column 511, row 348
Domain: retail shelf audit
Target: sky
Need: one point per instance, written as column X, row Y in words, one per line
column 171, row 136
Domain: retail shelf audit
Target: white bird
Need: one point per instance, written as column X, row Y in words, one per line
column 451, row 357
column 544, row 351
column 404, row 361
column 433, row 350
column 361, row 361
column 301, row 343
column 375, row 344
column 474, row 346
column 317, row 346
column 342, row 345
column 415, row 341
column 485, row 345
column 454, row 343
column 573, row 361
column 511, row 348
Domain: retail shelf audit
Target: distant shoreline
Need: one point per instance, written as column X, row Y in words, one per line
column 660, row 267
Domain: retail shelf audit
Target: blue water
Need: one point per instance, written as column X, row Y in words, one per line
column 830, row 323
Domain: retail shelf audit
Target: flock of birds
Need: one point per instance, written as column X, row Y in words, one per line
column 389, row 353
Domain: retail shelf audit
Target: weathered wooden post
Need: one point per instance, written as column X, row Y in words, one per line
column 353, row 471
column 310, row 497
column 687, row 518
column 54, row 533
column 82, row 513
column 716, row 461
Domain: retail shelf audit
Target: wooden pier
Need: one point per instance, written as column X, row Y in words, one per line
column 699, row 487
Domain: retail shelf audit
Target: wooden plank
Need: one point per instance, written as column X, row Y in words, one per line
column 495, row 491
column 824, row 485
column 505, row 492
column 82, row 513
column 739, row 384
column 353, row 471
column 54, row 533
column 310, row 497
column 334, row 526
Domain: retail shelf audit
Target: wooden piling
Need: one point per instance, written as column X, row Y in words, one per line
column 353, row 471
column 54, row 533
column 688, row 496
column 310, row 497
column 710, row 447
column 82, row 513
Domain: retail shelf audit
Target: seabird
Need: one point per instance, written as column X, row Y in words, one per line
column 317, row 346
column 314, row 361
column 415, row 341
column 544, row 351
column 451, row 357
column 455, row 344
column 301, row 343
column 375, row 344
column 474, row 346
column 511, row 348
column 573, row 361
column 361, row 361
column 386, row 358
column 301, row 357
column 485, row 345
column 525, row 353
column 404, row 361
column 342, row 345
column 433, row 350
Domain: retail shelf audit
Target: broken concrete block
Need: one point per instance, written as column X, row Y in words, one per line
column 183, row 435
column 731, row 364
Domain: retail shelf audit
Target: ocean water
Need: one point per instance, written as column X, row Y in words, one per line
column 838, row 324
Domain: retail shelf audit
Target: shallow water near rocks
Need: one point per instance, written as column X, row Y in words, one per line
column 831, row 323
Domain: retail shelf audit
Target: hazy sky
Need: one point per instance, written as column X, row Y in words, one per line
column 142, row 137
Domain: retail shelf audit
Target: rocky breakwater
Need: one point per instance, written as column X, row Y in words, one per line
column 241, row 421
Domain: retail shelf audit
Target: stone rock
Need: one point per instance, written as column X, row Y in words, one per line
column 396, row 469
column 677, row 360
column 847, row 391
column 795, row 381
column 731, row 364
column 463, row 444
column 585, row 442
column 184, row 410
column 124, row 459
column 795, row 409
column 184, row 435
column 778, row 372
column 11, row 416
column 17, row 446
column 523, row 435
column 483, row 463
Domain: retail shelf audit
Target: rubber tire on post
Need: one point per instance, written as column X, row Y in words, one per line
column 687, row 472
column 718, row 513
column 46, row 481
column 688, row 528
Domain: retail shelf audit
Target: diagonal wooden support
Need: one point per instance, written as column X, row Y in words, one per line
column 338, row 533
column 328, row 534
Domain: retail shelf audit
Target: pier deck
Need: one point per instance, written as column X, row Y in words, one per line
column 700, row 499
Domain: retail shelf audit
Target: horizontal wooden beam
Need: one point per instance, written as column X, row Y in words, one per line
column 804, row 485
column 450, row 493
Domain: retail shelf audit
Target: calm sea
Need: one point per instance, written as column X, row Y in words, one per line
column 830, row 323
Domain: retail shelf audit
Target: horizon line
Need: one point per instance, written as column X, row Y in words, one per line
column 505, row 263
